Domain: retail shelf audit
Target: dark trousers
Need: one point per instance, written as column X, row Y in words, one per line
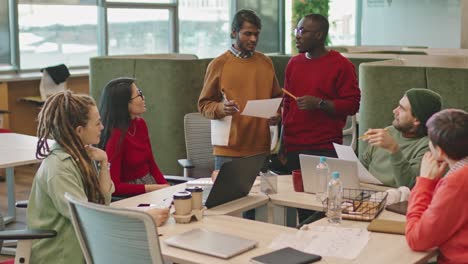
column 307, row 216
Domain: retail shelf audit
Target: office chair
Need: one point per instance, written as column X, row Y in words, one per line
column 24, row 237
column 114, row 235
column 350, row 132
column 200, row 160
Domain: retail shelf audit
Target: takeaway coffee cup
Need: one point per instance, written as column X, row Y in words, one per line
column 182, row 203
column 197, row 196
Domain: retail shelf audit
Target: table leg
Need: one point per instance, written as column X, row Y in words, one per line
column 10, row 181
column 285, row 216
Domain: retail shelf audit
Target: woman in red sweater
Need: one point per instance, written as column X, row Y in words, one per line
column 438, row 208
column 126, row 141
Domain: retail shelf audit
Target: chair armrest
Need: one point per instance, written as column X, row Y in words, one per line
column 22, row 204
column 27, row 234
column 186, row 164
column 177, row 179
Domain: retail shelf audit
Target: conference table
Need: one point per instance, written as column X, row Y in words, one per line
column 381, row 248
column 15, row 150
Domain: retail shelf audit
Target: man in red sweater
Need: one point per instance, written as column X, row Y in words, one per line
column 327, row 91
column 438, row 209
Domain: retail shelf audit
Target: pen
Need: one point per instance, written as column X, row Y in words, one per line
column 225, row 98
column 366, row 136
column 288, row 93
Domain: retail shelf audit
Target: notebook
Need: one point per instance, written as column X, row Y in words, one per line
column 387, row 226
column 286, row 255
column 211, row 243
column 347, row 169
column 399, row 208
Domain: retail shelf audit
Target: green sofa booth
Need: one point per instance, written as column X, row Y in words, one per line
column 383, row 83
column 171, row 85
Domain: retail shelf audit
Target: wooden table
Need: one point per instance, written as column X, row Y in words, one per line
column 15, row 150
column 255, row 200
column 381, row 248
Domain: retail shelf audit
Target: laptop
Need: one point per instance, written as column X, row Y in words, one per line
column 348, row 172
column 234, row 181
column 211, row 243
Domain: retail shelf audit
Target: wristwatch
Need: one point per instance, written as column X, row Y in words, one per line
column 321, row 104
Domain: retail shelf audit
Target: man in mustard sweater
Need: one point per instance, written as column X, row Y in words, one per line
column 236, row 76
column 395, row 153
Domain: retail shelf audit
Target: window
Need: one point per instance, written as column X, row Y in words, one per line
column 204, row 27
column 138, row 31
column 53, row 34
column 342, row 18
column 5, row 56
column 268, row 11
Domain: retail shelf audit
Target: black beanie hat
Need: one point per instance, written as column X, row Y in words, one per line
column 424, row 103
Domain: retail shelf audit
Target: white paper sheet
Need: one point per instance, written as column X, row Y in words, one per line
column 262, row 108
column 327, row 241
column 220, row 130
column 347, row 153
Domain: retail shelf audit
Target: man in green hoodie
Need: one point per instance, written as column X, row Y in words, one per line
column 394, row 153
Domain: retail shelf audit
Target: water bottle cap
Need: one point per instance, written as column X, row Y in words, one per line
column 323, row 159
column 335, row 175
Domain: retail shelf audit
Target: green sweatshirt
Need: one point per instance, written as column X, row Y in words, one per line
column 48, row 208
column 400, row 168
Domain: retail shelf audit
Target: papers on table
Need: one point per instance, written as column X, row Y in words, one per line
column 328, row 241
column 262, row 108
column 220, row 130
column 347, row 153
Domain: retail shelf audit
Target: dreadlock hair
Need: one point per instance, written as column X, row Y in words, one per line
column 61, row 114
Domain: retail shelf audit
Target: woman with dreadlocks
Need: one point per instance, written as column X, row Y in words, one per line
column 68, row 165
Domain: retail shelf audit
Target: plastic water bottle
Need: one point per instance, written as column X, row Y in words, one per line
column 335, row 194
column 321, row 172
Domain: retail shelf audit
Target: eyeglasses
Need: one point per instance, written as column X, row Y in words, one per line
column 140, row 94
column 300, row 31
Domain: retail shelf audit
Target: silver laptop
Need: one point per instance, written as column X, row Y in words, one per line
column 211, row 243
column 347, row 169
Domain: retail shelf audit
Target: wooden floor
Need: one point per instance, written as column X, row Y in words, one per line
column 24, row 176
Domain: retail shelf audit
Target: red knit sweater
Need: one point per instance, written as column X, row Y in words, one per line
column 132, row 158
column 330, row 77
column 438, row 215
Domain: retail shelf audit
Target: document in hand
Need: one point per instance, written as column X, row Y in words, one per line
column 220, row 130
column 262, row 108
column 347, row 153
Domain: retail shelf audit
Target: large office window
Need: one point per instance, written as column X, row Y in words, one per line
column 138, row 31
column 5, row 55
column 268, row 11
column 342, row 18
column 204, row 27
column 50, row 34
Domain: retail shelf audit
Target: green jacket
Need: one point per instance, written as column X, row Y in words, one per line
column 48, row 208
column 400, row 168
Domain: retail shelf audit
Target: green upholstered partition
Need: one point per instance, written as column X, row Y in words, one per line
column 280, row 62
column 383, row 84
column 171, row 88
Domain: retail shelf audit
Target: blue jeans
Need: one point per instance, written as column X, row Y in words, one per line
column 219, row 161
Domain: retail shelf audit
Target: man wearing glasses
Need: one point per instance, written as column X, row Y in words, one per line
column 326, row 89
column 236, row 76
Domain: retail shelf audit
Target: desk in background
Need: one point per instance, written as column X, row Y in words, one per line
column 15, row 150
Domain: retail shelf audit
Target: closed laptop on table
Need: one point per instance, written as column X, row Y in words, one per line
column 211, row 243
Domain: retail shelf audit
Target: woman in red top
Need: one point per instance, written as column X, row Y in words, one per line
column 438, row 208
column 126, row 141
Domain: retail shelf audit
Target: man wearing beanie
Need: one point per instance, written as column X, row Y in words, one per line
column 394, row 154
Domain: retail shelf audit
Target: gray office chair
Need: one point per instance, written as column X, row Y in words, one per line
column 350, row 132
column 25, row 238
column 200, row 160
column 114, row 235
